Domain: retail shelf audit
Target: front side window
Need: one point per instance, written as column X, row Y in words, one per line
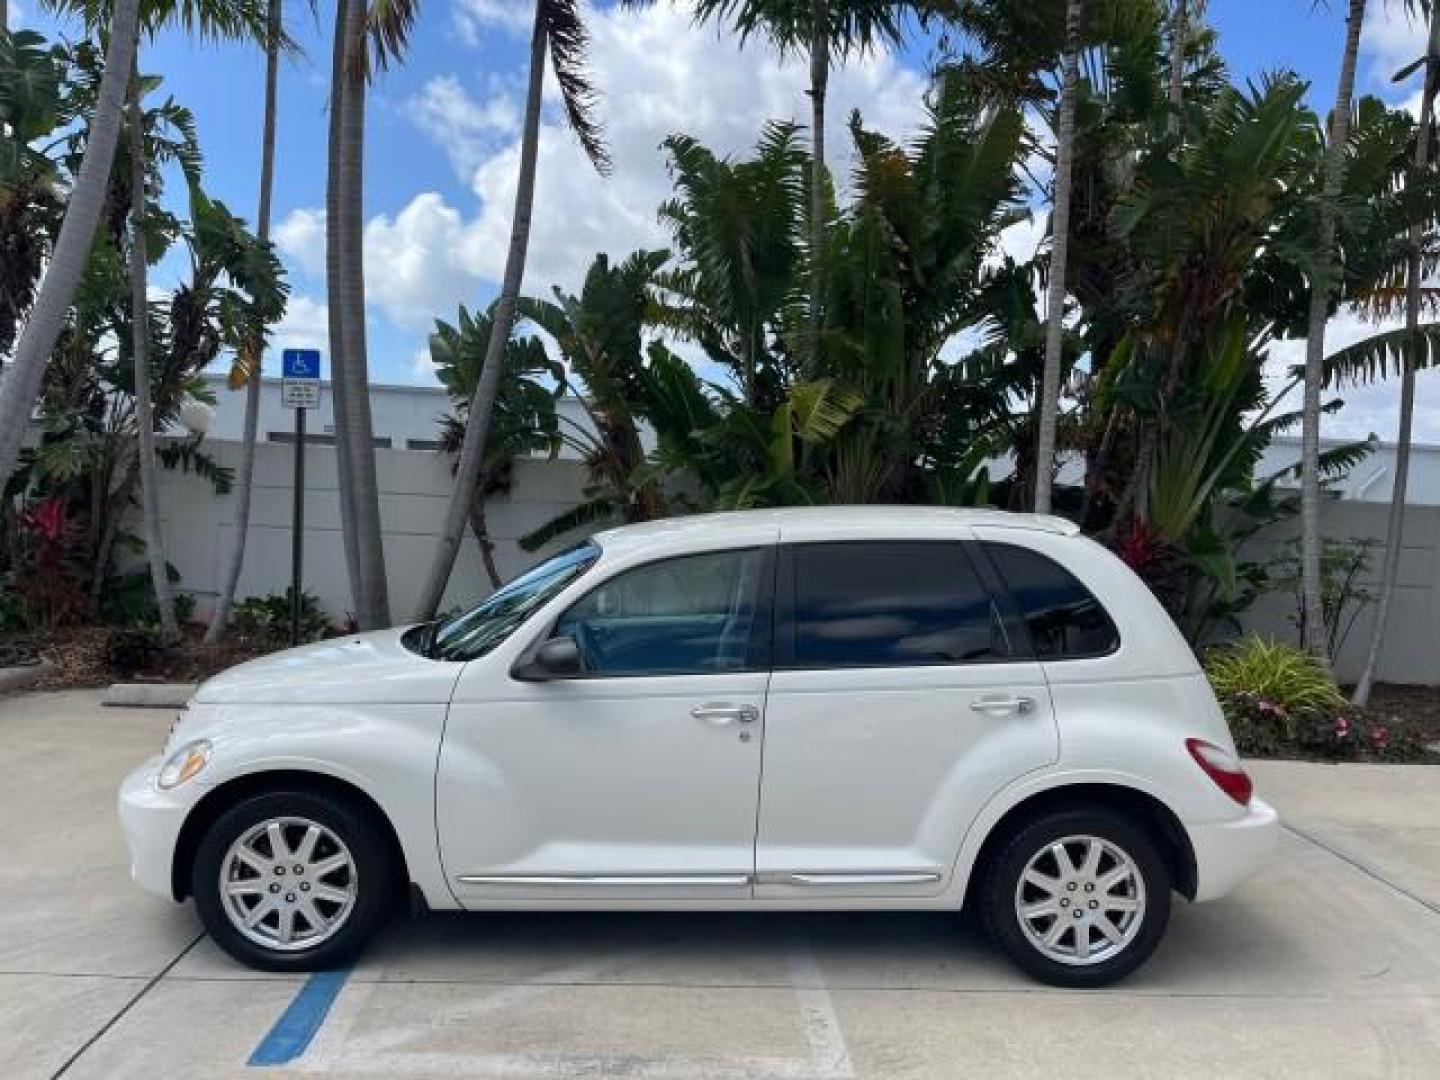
column 695, row 614
column 889, row 603
column 1063, row 617
column 475, row 632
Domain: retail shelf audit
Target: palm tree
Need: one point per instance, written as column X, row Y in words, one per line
column 1059, row 244
column 144, row 411
column 826, row 30
column 388, row 24
column 25, row 374
column 1178, row 30
column 247, row 366
column 1314, row 621
column 558, row 30
column 524, row 423
column 1413, row 348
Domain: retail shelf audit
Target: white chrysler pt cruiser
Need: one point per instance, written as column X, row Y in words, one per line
column 896, row 708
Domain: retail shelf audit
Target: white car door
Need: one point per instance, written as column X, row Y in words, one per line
column 897, row 708
column 637, row 779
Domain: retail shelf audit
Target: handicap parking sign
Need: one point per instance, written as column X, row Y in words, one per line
column 300, row 364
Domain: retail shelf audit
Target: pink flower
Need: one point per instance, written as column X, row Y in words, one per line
column 1342, row 727
column 1380, row 736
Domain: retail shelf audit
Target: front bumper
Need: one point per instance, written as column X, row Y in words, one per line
column 1228, row 852
column 151, row 820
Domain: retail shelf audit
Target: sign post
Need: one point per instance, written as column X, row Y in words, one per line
column 299, row 390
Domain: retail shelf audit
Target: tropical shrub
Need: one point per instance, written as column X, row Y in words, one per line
column 267, row 618
column 133, row 650
column 128, row 600
column 1277, row 673
column 1280, row 702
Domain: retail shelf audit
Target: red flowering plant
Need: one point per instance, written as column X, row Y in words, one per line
column 44, row 576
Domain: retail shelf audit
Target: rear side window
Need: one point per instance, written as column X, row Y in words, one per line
column 1063, row 617
column 891, row 604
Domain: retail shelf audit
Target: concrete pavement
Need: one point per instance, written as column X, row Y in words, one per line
column 1327, row 965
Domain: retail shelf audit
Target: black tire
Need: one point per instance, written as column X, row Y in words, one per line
column 1001, row 878
column 370, row 852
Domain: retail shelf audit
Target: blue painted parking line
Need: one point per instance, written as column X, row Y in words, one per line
column 301, row 1020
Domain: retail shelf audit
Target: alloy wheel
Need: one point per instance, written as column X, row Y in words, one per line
column 288, row 883
column 1080, row 900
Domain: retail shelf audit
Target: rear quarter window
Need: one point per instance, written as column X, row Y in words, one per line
column 1063, row 618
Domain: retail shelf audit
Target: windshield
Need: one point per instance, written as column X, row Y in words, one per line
column 475, row 632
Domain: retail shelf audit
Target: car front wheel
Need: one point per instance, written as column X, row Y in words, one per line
column 293, row 881
column 1077, row 898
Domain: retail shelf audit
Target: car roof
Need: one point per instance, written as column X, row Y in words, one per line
column 814, row 522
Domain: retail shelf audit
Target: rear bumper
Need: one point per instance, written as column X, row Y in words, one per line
column 151, row 820
column 1228, row 852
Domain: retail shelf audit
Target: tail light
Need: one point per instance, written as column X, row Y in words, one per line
column 1224, row 768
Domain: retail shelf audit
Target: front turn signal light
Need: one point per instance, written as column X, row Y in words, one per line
column 184, row 764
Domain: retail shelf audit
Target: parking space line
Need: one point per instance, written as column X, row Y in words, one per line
column 301, row 1020
column 1368, row 871
column 149, row 985
column 340, row 1049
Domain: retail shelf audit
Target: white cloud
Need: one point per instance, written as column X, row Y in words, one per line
column 301, row 236
column 472, row 18
column 466, row 128
column 419, row 265
column 1390, row 39
column 659, row 74
column 422, row 368
column 306, row 325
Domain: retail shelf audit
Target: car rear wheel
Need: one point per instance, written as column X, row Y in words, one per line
column 293, row 881
column 1077, row 898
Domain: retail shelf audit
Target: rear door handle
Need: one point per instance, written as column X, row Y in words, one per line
column 720, row 713
column 1001, row 706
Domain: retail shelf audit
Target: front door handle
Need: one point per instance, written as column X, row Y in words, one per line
column 720, row 713
column 1003, row 706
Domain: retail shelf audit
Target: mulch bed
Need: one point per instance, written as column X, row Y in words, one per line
column 79, row 657
column 1419, row 705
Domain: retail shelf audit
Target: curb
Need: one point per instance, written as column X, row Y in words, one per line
column 149, row 695
column 24, row 676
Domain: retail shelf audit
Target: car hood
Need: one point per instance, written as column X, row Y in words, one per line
column 373, row 668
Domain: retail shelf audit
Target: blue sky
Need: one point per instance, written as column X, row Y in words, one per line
column 442, row 130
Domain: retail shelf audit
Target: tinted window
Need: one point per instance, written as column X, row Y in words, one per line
column 1063, row 617
column 891, row 604
column 691, row 615
column 475, row 632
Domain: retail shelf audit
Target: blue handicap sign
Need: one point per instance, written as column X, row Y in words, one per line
column 300, row 363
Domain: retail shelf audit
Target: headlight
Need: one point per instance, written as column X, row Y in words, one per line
column 184, row 764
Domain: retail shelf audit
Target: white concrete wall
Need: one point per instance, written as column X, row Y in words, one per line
column 199, row 526
column 1412, row 638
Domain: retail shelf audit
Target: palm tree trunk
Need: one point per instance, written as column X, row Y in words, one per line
column 1394, row 530
column 1314, row 622
column 481, row 528
column 354, row 421
column 245, row 476
column 819, row 84
column 144, row 413
column 477, row 425
column 116, row 503
column 20, row 387
column 1178, row 31
column 1059, row 247
column 334, row 260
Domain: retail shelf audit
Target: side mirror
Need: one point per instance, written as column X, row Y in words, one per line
column 558, row 658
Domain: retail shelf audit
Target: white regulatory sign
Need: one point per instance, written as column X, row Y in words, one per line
column 300, row 393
